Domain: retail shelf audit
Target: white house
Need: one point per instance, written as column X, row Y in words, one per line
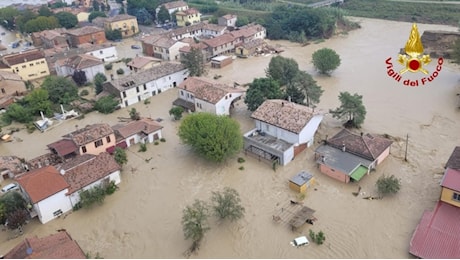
column 283, row 129
column 145, row 130
column 105, row 52
column 83, row 62
column 203, row 95
column 147, row 83
column 47, row 191
column 173, row 7
column 228, row 20
column 87, row 171
column 163, row 47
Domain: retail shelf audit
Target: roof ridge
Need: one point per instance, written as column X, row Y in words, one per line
column 368, row 148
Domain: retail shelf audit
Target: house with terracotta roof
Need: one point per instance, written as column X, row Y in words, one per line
column 174, row 6
column 10, row 166
column 87, row 171
column 188, row 17
column 126, row 23
column 147, row 83
column 162, row 47
column 144, row 130
column 228, row 20
column 46, row 190
column 283, row 130
column 437, row 235
column 348, row 156
column 87, row 34
column 247, row 49
column 11, row 85
column 142, row 63
column 249, row 32
column 89, row 64
column 55, row 246
column 50, row 38
column 222, row 44
column 29, row 65
column 91, row 139
column 204, row 95
column 198, row 30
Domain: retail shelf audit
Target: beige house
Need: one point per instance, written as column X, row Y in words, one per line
column 174, row 6
column 127, row 24
column 29, row 65
column 188, row 17
column 10, row 85
column 142, row 63
column 89, row 64
column 144, row 130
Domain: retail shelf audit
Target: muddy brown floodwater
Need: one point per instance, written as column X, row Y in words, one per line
column 143, row 218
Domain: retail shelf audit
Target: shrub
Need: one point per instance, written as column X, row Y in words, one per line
column 143, row 147
column 241, row 168
column 84, row 92
column 108, row 66
column 111, row 188
column 241, row 160
column 120, row 71
column 317, row 238
column 388, row 185
column 146, row 101
column 163, row 140
column 156, row 143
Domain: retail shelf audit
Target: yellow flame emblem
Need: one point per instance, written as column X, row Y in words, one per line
column 413, row 60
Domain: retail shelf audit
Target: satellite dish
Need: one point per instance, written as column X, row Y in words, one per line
column 29, row 251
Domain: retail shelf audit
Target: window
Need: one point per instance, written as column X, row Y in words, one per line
column 145, row 87
column 83, row 149
column 108, row 139
column 31, row 64
column 37, row 63
column 456, row 196
column 42, row 62
column 101, row 52
column 3, row 91
column 139, row 98
column 24, row 66
column 57, row 213
column 137, row 89
column 267, row 127
column 124, row 94
column 43, row 72
column 98, row 143
column 181, row 93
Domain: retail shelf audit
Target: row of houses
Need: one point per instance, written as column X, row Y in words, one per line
column 79, row 161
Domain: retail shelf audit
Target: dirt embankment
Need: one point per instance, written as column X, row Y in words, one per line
column 439, row 43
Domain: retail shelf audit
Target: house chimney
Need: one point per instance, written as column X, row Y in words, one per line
column 362, row 133
column 282, row 104
column 343, row 148
column 62, row 171
column 289, row 98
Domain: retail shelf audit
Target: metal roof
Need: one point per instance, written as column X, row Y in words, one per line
column 339, row 160
column 358, row 173
column 301, row 178
column 451, row 179
column 438, row 233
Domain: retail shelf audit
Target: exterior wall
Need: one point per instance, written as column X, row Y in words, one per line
column 48, row 206
column 383, row 156
column 182, row 19
column 154, row 136
column 74, row 198
column 277, row 132
column 147, row 49
column 335, row 174
column 307, row 134
column 174, row 54
column 223, row 106
column 92, row 71
column 106, row 55
column 83, row 17
column 128, row 27
column 10, row 87
column 447, row 195
column 92, row 149
column 31, row 70
column 93, row 38
column 284, row 158
column 151, row 88
column 222, row 49
column 203, row 106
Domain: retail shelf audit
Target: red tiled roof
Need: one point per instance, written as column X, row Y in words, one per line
column 90, row 133
column 79, row 62
column 283, row 114
column 175, row 4
column 55, row 246
column 219, row 40
column 99, row 167
column 42, row 183
column 63, row 147
column 454, row 159
column 367, row 146
column 17, row 58
column 451, row 179
column 206, row 90
column 438, row 233
column 144, row 125
column 85, row 30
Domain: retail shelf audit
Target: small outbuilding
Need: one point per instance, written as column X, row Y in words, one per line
column 301, row 181
column 221, row 61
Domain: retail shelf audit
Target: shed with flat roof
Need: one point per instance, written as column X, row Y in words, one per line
column 301, row 181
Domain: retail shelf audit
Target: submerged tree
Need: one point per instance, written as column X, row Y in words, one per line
column 227, row 204
column 195, row 222
column 305, row 83
column 388, row 185
column 260, row 90
column 120, row 156
column 325, row 60
column 214, row 137
column 283, row 70
column 351, row 108
column 194, row 61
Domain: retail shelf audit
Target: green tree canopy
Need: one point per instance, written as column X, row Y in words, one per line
column 18, row 113
column 60, row 89
column 388, row 185
column 96, row 6
column 194, row 61
column 99, row 80
column 24, row 16
column 45, row 11
column 351, row 108
column 38, row 100
column 41, row 23
column 176, row 112
column 456, row 52
column 7, row 17
column 294, row 94
column 94, row 14
column 213, row 137
column 195, row 222
column 106, row 105
column 113, row 35
column 79, row 76
column 305, row 83
column 120, row 156
column 67, row 20
column 260, row 90
column 9, row 203
column 163, row 15
column 325, row 60
column 227, row 204
column 283, row 70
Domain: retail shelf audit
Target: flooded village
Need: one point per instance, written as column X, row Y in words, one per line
column 413, row 132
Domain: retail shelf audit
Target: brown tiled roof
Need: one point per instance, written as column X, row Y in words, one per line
column 120, row 17
column 188, row 12
column 136, row 79
column 6, row 75
column 219, row 40
column 253, row 44
column 175, row 4
column 63, row 147
column 283, row 114
column 51, row 34
column 141, row 61
column 229, row 16
column 42, row 183
column 144, row 125
column 90, row 133
column 17, row 58
column 11, row 163
column 199, row 45
column 75, row 161
column 99, row 167
column 205, row 89
column 55, row 246
column 454, row 159
column 160, row 41
column 366, row 146
column 80, row 62
column 85, row 30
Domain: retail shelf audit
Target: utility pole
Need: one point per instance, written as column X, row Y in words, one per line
column 407, row 141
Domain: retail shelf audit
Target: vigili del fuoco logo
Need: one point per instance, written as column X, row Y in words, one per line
column 414, row 61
